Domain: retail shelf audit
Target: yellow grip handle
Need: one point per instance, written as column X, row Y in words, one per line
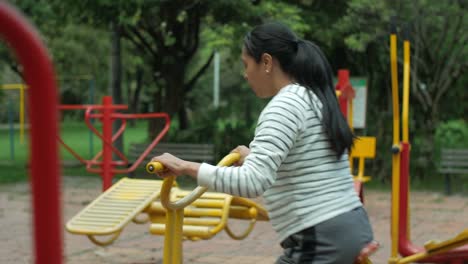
column 154, row 166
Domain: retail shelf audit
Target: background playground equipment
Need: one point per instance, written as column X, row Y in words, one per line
column 42, row 103
column 91, row 82
column 107, row 167
column 364, row 146
column 449, row 251
column 21, row 88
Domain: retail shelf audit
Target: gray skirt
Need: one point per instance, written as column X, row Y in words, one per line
column 335, row 241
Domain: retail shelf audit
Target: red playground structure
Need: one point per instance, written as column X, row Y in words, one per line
column 45, row 180
column 107, row 167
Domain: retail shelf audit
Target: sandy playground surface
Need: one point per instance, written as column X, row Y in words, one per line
column 434, row 216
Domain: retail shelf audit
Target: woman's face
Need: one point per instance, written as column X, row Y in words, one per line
column 257, row 75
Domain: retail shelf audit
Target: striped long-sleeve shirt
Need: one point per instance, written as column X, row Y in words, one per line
column 291, row 163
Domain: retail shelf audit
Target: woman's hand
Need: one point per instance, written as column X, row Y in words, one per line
column 243, row 151
column 174, row 166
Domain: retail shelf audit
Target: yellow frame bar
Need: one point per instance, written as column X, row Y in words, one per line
column 175, row 211
column 406, row 85
column 405, row 114
column 396, row 142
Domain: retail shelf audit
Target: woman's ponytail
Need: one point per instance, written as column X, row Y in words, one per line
column 311, row 69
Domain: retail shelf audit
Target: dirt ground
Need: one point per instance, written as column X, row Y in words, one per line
column 434, row 216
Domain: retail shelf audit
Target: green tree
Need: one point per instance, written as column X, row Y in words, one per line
column 167, row 35
column 78, row 51
column 438, row 60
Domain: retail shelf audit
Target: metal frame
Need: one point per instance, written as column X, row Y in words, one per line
column 451, row 250
column 39, row 75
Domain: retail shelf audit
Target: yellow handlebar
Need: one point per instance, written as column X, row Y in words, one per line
column 154, row 167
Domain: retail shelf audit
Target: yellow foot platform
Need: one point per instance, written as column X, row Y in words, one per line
column 114, row 209
column 208, row 215
column 459, row 240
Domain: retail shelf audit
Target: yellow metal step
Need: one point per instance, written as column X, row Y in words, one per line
column 157, row 207
column 459, row 240
column 114, row 208
column 191, row 231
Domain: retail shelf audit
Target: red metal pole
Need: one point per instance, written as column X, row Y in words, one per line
column 343, row 83
column 42, row 100
column 107, row 173
column 405, row 246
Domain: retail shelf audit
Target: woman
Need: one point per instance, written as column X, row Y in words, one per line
column 298, row 158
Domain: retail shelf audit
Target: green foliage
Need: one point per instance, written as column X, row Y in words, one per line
column 216, row 126
column 79, row 51
column 452, row 134
column 364, row 22
column 353, row 33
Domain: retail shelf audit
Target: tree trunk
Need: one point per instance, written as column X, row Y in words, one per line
column 135, row 97
column 183, row 118
column 171, row 100
column 115, row 88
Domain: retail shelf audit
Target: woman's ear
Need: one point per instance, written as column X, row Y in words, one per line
column 267, row 62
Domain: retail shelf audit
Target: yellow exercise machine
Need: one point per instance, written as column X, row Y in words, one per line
column 403, row 250
column 177, row 214
column 193, row 215
column 197, row 215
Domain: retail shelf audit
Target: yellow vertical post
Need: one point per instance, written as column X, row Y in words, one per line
column 405, row 110
column 169, row 237
column 174, row 221
column 395, row 148
column 406, row 82
column 173, row 236
column 175, row 210
column 21, row 88
column 177, row 240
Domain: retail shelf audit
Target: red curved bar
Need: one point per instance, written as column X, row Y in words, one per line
column 88, row 116
column 114, row 137
column 107, row 167
column 42, row 102
column 405, row 246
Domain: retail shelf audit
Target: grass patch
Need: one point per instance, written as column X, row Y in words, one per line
column 14, row 154
column 378, row 185
column 13, row 172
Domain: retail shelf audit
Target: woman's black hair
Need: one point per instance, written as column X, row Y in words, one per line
column 308, row 66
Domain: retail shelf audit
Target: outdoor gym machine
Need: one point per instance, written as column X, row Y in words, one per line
column 364, row 147
column 175, row 210
column 107, row 167
column 449, row 251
